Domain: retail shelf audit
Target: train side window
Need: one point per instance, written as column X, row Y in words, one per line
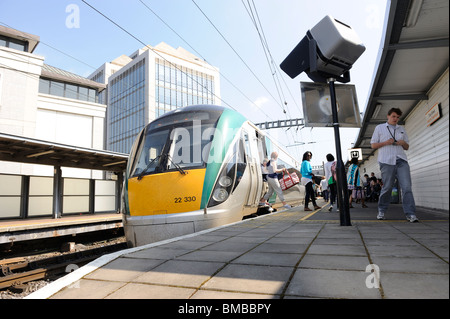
column 135, row 149
column 262, row 149
column 247, row 144
column 240, row 162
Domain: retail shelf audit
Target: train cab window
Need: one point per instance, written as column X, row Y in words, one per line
column 149, row 157
column 186, row 149
column 175, row 142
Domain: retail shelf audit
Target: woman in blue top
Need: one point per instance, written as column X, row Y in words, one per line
column 307, row 176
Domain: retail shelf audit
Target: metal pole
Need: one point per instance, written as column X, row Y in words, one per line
column 57, row 192
column 342, row 192
column 119, row 187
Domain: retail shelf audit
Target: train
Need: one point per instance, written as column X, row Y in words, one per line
column 196, row 168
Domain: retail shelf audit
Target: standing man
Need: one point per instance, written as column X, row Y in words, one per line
column 392, row 141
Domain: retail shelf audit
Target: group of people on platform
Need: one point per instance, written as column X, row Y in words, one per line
column 391, row 140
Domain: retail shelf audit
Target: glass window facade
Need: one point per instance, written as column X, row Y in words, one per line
column 178, row 86
column 126, row 109
column 100, row 77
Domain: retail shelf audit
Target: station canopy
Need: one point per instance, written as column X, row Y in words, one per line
column 27, row 150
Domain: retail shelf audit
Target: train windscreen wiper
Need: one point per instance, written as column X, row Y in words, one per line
column 178, row 167
column 141, row 174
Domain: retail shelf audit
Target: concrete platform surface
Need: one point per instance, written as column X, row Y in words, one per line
column 285, row 255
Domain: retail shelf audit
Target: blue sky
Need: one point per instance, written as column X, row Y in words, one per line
column 77, row 30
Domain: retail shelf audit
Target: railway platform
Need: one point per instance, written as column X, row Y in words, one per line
column 16, row 230
column 289, row 254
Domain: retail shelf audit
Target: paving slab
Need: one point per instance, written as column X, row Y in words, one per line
column 143, row 291
column 250, row 278
column 320, row 283
column 411, row 265
column 415, row 286
column 334, row 262
column 181, row 273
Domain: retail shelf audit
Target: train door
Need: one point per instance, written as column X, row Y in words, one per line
column 251, row 152
column 262, row 152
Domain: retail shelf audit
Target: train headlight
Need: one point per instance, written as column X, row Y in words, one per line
column 224, row 184
column 220, row 194
column 225, row 181
column 229, row 176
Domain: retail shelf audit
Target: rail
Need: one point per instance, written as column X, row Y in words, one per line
column 15, row 272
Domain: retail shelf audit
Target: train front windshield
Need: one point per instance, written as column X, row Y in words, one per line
column 175, row 142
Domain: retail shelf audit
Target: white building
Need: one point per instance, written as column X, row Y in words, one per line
column 42, row 102
column 150, row 82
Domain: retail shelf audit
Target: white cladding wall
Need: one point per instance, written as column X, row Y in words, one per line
column 19, row 81
column 428, row 154
column 71, row 122
column 429, row 149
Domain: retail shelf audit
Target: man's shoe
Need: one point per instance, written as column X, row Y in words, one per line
column 412, row 219
column 307, row 209
column 380, row 216
column 317, row 207
column 330, row 208
column 287, row 206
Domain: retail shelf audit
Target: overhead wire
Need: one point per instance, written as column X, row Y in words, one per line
column 254, row 17
column 58, row 82
column 52, row 47
column 153, row 50
column 234, row 50
column 200, row 55
column 266, row 46
column 263, row 40
column 130, row 34
column 94, row 68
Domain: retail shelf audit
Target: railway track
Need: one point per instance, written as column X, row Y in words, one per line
column 17, row 272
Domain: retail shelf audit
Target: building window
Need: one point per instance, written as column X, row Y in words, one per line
column 57, row 88
column 71, row 91
column 44, row 86
column 68, row 90
column 13, row 43
column 99, row 77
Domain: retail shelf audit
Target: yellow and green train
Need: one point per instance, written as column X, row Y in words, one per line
column 196, row 168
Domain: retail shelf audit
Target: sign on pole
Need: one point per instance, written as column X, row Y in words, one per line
column 355, row 152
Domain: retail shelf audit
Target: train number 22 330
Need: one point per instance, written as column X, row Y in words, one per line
column 187, row 199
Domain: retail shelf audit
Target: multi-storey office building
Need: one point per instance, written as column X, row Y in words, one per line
column 150, row 82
